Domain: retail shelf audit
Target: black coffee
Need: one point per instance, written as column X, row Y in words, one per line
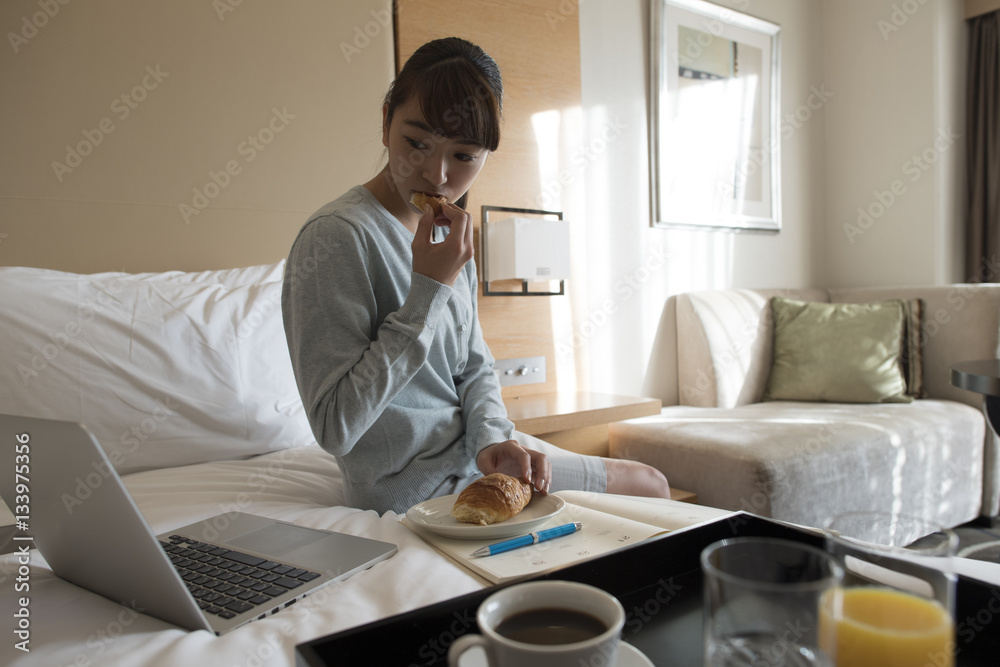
column 551, row 626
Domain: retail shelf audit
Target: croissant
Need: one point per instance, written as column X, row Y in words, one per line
column 421, row 199
column 491, row 499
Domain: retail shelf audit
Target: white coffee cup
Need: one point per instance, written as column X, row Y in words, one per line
column 560, row 600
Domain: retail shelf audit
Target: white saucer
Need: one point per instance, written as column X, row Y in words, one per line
column 628, row 656
column 435, row 516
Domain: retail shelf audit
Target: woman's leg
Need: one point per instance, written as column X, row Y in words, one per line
column 570, row 470
column 632, row 478
column 594, row 473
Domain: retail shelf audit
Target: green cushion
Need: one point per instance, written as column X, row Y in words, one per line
column 838, row 352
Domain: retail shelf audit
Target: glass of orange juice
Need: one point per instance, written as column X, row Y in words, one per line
column 896, row 605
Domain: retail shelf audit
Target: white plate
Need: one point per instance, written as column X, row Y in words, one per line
column 435, row 516
column 628, row 656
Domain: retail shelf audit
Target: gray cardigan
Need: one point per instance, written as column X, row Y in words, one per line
column 391, row 365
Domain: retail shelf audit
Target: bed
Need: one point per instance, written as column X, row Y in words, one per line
column 185, row 380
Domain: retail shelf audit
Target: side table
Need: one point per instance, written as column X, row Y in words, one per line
column 982, row 377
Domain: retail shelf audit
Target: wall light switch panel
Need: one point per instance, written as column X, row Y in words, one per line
column 524, row 370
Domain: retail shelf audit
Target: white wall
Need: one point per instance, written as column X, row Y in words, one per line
column 633, row 268
column 888, row 140
column 894, row 141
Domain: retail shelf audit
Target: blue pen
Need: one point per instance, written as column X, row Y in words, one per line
column 530, row 538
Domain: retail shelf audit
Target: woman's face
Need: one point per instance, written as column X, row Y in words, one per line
column 422, row 160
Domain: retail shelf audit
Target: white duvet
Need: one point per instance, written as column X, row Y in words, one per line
column 71, row 626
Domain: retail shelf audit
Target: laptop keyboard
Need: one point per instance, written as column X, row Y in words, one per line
column 227, row 582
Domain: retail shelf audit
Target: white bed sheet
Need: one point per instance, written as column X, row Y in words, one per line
column 71, row 626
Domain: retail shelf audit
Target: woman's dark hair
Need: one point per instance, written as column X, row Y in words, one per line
column 459, row 89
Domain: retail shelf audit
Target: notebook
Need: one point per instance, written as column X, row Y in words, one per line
column 213, row 575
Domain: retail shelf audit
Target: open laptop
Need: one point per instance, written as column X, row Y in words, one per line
column 212, row 575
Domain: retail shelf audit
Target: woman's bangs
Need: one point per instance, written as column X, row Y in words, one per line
column 459, row 103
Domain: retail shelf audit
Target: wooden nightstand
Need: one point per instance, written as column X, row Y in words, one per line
column 578, row 421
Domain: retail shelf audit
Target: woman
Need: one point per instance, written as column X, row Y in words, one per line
column 380, row 313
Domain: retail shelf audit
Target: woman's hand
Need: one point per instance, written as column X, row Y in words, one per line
column 443, row 261
column 510, row 458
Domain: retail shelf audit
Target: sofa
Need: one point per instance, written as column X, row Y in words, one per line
column 185, row 380
column 803, row 461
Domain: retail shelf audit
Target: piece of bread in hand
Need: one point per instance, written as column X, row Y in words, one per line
column 421, row 199
column 491, row 499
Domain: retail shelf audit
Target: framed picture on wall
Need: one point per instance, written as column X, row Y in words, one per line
column 714, row 135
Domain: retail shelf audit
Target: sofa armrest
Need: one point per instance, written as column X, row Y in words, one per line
column 661, row 374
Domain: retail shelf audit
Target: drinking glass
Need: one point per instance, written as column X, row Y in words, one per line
column 898, row 599
column 762, row 599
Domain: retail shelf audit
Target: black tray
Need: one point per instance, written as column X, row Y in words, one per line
column 659, row 584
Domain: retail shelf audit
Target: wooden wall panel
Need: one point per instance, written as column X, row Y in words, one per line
column 536, row 43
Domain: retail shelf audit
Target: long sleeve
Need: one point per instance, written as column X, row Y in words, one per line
column 483, row 411
column 348, row 372
column 390, row 364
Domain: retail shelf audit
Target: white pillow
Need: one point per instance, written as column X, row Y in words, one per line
column 166, row 369
column 247, row 275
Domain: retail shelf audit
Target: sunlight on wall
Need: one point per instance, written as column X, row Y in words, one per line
column 623, row 270
column 591, row 164
column 596, row 249
column 546, row 127
column 557, row 134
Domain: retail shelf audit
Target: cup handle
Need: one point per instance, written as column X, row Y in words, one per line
column 463, row 644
